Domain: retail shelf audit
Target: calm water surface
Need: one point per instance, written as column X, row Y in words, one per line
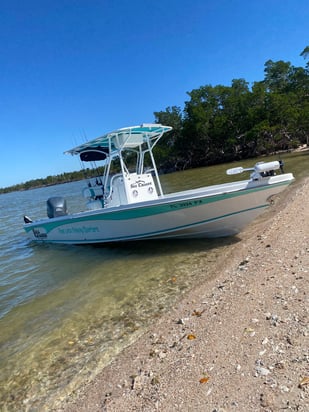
column 66, row 311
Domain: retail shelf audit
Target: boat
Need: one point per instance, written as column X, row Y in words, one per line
column 126, row 201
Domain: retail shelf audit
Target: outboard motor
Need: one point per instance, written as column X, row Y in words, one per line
column 56, row 206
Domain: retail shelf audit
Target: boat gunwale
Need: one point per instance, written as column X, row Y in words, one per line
column 168, row 200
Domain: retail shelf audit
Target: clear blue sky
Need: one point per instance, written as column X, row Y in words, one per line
column 76, row 68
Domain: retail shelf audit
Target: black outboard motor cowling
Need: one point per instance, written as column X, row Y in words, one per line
column 56, row 206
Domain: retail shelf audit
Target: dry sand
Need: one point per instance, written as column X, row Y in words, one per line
column 236, row 343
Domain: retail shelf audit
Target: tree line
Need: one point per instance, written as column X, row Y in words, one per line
column 225, row 123
column 47, row 181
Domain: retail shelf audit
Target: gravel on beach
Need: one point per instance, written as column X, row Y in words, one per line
column 238, row 342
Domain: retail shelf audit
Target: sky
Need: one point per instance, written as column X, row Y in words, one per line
column 72, row 70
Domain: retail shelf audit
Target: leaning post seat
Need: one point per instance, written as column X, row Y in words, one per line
column 93, row 192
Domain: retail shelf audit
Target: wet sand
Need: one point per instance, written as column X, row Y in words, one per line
column 238, row 342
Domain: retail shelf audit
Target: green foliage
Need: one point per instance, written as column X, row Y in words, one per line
column 222, row 123
column 166, row 150
column 305, row 54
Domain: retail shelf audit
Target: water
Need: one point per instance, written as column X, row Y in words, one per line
column 66, row 311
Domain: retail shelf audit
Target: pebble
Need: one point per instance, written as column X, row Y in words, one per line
column 260, row 371
column 180, row 322
column 284, row 388
column 275, row 320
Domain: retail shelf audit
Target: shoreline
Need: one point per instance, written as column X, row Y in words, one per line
column 13, row 188
column 237, row 342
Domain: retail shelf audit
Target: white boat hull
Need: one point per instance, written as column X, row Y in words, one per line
column 215, row 211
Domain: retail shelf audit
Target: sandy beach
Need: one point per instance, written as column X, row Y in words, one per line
column 238, row 342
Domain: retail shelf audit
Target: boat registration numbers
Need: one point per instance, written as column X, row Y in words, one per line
column 186, row 204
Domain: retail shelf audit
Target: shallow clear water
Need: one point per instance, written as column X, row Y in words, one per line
column 65, row 311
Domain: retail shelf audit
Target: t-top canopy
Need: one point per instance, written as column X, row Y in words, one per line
column 125, row 138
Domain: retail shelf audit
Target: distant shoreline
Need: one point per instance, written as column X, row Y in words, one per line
column 29, row 185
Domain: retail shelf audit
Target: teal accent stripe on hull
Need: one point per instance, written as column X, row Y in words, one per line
column 144, row 211
column 161, row 232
